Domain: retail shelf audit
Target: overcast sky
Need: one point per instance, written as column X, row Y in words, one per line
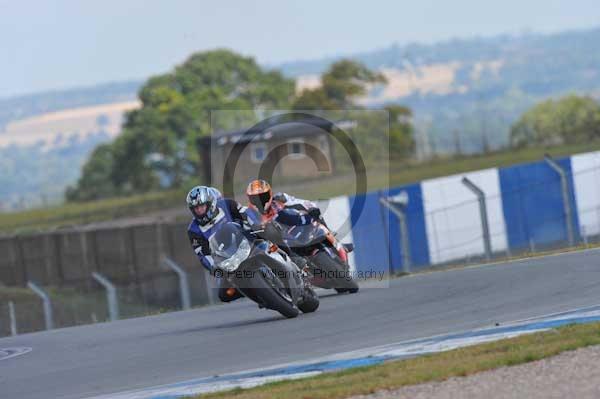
column 55, row 44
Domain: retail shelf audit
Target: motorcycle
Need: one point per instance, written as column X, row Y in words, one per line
column 326, row 256
column 260, row 270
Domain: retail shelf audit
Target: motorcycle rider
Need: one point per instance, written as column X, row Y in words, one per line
column 261, row 199
column 261, row 202
column 210, row 210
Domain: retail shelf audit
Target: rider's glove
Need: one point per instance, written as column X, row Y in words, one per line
column 208, row 263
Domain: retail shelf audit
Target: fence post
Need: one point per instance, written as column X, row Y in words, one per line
column 46, row 302
column 111, row 295
column 485, row 227
column 184, row 285
column 396, row 204
column 13, row 318
column 564, row 185
column 84, row 251
column 21, row 278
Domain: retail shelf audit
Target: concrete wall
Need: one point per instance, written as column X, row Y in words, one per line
column 129, row 257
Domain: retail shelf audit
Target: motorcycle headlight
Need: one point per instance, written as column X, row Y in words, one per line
column 238, row 257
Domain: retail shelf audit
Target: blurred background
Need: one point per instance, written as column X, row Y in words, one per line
column 104, row 107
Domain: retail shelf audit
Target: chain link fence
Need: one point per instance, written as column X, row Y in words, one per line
column 62, row 264
column 456, row 234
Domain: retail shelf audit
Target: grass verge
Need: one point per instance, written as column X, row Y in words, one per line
column 87, row 212
column 437, row 367
column 401, row 172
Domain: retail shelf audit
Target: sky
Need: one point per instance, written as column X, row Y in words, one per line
column 58, row 44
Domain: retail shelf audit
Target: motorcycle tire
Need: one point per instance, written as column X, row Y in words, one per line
column 324, row 261
column 310, row 301
column 272, row 299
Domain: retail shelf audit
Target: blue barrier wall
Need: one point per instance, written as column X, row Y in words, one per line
column 529, row 204
column 417, row 232
column 370, row 234
column 533, row 205
column 376, row 231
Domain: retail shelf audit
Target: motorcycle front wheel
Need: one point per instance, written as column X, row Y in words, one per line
column 309, row 302
column 273, row 294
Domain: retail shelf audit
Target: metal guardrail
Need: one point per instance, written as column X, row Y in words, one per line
column 564, row 185
column 396, row 204
column 13, row 318
column 111, row 295
column 485, row 226
column 48, row 316
column 184, row 283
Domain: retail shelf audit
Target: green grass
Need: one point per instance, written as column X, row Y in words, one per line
column 437, row 367
column 80, row 213
column 409, row 173
column 399, row 173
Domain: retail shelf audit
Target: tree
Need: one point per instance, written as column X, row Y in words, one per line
column 97, row 182
column 402, row 143
column 572, row 119
column 341, row 84
column 157, row 146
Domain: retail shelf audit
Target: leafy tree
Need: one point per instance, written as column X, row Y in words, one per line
column 157, row 146
column 341, row 84
column 572, row 119
column 400, row 131
column 97, row 171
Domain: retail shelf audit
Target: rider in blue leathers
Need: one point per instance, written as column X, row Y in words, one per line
column 210, row 211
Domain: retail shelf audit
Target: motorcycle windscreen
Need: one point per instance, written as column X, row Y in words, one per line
column 226, row 241
column 303, row 236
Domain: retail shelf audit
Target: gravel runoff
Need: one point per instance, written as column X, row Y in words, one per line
column 573, row 374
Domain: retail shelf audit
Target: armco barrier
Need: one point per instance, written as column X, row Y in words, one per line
column 525, row 211
column 586, row 181
column 370, row 234
column 533, row 204
column 417, row 232
column 453, row 217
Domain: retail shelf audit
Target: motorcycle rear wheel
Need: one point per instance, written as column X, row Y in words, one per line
column 328, row 264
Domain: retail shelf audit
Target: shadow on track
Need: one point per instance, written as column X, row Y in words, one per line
column 229, row 325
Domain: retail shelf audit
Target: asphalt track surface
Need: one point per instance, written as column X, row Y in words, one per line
column 129, row 354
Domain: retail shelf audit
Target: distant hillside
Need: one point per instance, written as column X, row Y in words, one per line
column 52, row 129
column 579, row 44
column 15, row 108
column 467, row 92
column 458, row 76
column 33, row 176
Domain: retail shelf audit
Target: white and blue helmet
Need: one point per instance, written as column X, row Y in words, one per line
column 203, row 195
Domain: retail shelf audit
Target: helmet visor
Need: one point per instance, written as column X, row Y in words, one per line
column 200, row 209
column 260, row 200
